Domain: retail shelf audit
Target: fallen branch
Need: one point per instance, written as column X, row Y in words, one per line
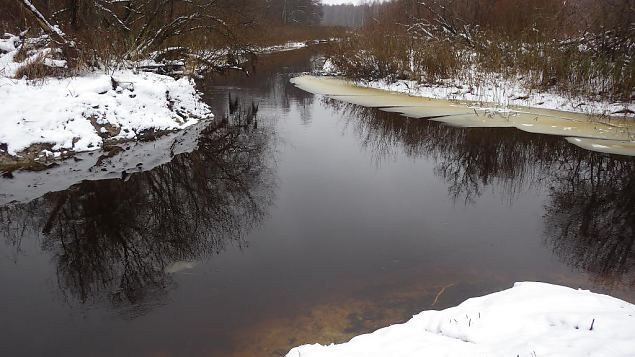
column 54, row 31
column 436, row 298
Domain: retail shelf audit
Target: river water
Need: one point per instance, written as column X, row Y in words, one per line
column 300, row 219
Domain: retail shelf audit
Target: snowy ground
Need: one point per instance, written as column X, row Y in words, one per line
column 528, row 320
column 488, row 89
column 79, row 113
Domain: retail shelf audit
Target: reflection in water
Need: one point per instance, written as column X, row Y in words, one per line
column 343, row 252
column 115, row 239
column 590, row 214
column 268, row 83
column 468, row 159
column 590, row 217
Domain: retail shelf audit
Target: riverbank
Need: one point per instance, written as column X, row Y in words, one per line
column 612, row 135
column 49, row 118
column 530, row 319
column 54, row 118
column 497, row 91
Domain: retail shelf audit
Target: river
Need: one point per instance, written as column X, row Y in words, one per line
column 300, row 219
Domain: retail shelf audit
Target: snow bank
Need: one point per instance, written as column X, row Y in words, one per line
column 598, row 134
column 494, row 89
column 530, row 319
column 505, row 93
column 37, row 50
column 59, row 111
column 79, row 113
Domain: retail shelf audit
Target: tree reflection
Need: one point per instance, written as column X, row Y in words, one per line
column 265, row 76
column 468, row 159
column 114, row 239
column 590, row 211
column 590, row 219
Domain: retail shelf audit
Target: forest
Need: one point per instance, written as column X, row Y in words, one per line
column 89, row 33
column 578, row 47
column 349, row 15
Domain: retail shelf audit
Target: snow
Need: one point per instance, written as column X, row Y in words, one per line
column 8, row 50
column 616, row 133
column 59, row 111
column 503, row 92
column 529, row 320
column 87, row 166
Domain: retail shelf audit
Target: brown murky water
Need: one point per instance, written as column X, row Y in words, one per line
column 312, row 221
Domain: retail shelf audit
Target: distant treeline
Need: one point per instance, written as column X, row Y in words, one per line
column 348, row 15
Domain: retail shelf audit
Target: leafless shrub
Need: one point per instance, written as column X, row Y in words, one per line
column 578, row 48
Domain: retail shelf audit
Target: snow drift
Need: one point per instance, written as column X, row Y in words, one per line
column 82, row 113
column 528, row 320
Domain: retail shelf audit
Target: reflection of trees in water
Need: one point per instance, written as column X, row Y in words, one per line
column 468, row 159
column 117, row 237
column 590, row 214
column 268, row 80
column 590, row 219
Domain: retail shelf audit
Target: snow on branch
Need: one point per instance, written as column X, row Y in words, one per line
column 44, row 23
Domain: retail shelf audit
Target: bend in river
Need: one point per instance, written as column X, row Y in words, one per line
column 302, row 219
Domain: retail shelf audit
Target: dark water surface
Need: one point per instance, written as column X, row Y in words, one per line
column 312, row 221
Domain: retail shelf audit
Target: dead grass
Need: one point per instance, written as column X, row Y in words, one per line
column 22, row 54
column 37, row 69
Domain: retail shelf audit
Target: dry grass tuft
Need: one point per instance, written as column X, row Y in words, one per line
column 37, row 69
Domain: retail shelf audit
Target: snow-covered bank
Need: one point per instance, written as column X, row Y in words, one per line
column 530, row 319
column 55, row 116
column 79, row 113
column 609, row 135
column 24, row 186
column 291, row 45
column 499, row 91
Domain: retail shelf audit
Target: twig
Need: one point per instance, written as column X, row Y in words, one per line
column 436, row 298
